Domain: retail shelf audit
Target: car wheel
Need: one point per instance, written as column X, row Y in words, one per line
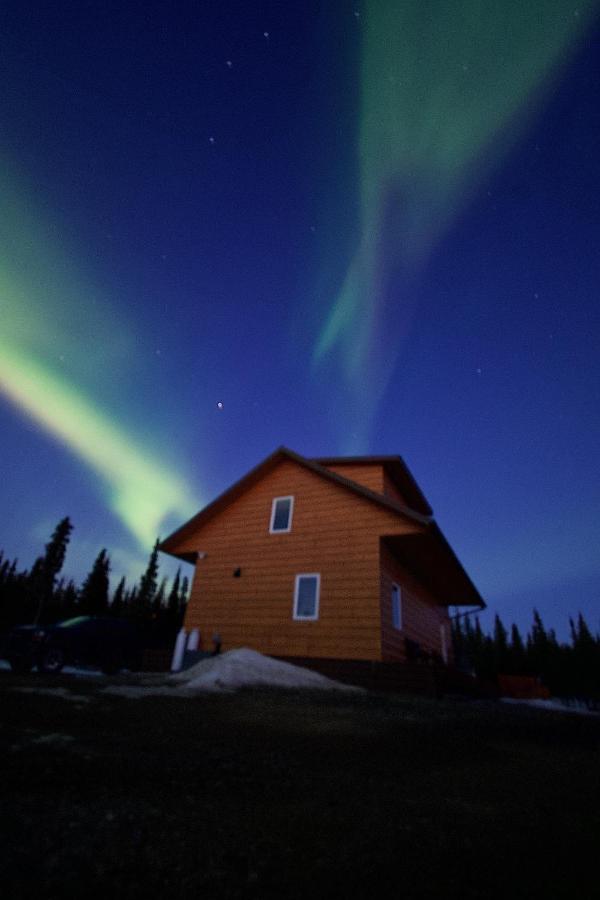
column 52, row 661
column 20, row 666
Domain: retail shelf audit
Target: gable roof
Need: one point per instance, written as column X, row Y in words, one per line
column 432, row 549
column 255, row 474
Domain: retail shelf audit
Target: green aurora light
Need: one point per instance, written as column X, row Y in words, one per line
column 445, row 89
column 56, row 337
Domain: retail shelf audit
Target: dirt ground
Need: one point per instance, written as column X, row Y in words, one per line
column 291, row 794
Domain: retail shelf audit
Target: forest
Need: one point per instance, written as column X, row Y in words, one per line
column 40, row 595
column 567, row 669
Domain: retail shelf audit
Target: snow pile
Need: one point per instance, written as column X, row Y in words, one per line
column 54, row 692
column 553, row 706
column 248, row 668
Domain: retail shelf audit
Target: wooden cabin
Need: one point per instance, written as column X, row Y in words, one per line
column 334, row 558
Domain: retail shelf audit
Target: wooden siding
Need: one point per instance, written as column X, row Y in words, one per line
column 421, row 616
column 391, row 491
column 334, row 532
column 369, row 475
column 372, row 476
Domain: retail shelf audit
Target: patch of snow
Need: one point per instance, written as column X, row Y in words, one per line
column 248, row 668
column 53, row 739
column 68, row 670
column 553, row 706
column 82, row 673
column 232, row 670
column 54, row 692
column 136, row 690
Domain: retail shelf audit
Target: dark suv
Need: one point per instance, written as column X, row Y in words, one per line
column 96, row 641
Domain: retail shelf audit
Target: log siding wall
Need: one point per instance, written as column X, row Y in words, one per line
column 421, row 616
column 369, row 475
column 372, row 476
column 334, row 533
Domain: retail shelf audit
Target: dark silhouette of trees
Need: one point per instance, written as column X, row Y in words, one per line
column 173, row 600
column 14, row 594
column 93, row 599
column 141, row 604
column 119, row 600
column 40, row 595
column 567, row 670
column 159, row 600
column 500, row 646
column 516, row 653
column 45, row 570
column 64, row 602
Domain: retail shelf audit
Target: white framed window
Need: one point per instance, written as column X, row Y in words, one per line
column 281, row 515
column 397, row 607
column 307, row 588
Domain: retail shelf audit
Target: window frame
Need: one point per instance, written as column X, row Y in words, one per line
column 397, row 609
column 299, row 576
column 287, row 530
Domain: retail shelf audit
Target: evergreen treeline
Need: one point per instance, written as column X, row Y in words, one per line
column 40, row 595
column 566, row 669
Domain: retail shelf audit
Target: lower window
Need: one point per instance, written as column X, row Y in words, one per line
column 306, row 596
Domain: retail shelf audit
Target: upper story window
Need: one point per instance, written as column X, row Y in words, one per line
column 306, row 596
column 281, row 515
column 396, row 607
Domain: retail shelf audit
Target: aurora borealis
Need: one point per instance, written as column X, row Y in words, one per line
column 40, row 315
column 344, row 228
column 445, row 88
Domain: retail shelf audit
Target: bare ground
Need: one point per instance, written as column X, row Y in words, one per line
column 291, row 794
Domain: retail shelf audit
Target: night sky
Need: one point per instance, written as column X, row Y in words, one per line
column 342, row 227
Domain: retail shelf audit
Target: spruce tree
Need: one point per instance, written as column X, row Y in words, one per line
column 586, row 661
column 16, row 605
column 173, row 600
column 516, row 652
column 183, row 600
column 69, row 600
column 500, row 646
column 46, row 568
column 93, row 599
column 537, row 645
column 141, row 606
column 130, row 601
column 159, row 599
column 148, row 581
column 117, row 606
